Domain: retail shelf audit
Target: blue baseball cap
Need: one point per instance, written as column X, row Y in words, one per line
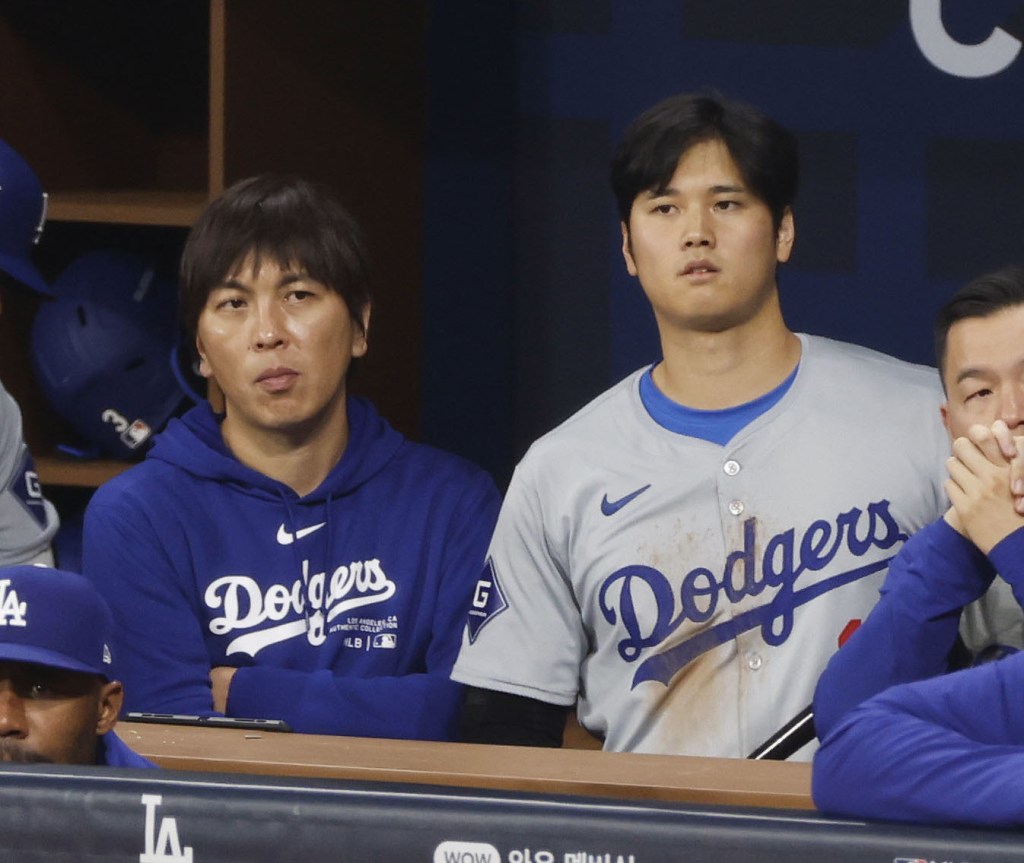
column 22, row 216
column 55, row 618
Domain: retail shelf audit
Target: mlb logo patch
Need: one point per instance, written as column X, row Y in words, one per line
column 385, row 640
column 488, row 601
column 136, row 434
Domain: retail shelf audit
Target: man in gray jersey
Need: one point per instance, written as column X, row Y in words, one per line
column 28, row 521
column 680, row 558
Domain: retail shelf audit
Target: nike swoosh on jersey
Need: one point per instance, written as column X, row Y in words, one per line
column 286, row 538
column 610, row 507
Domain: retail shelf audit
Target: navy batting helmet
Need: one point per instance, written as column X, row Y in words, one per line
column 101, row 350
column 22, row 216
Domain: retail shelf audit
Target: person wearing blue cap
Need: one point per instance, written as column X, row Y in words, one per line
column 59, row 701
column 28, row 522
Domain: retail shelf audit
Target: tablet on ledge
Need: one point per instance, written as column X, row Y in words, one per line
column 209, row 721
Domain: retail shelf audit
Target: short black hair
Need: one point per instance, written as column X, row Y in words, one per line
column 765, row 152
column 979, row 298
column 277, row 217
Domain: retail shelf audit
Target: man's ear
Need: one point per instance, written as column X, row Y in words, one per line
column 109, row 708
column 204, row 367
column 944, row 413
column 785, row 236
column 627, row 249
column 360, row 341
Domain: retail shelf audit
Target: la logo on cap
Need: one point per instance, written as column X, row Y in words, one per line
column 12, row 612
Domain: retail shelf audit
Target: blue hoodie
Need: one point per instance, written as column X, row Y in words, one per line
column 901, row 740
column 343, row 609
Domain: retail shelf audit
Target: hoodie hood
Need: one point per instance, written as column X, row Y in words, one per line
column 195, row 444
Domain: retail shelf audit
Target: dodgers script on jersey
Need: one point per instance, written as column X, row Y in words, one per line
column 686, row 595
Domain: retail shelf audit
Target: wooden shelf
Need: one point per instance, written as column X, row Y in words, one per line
column 84, row 473
column 127, row 207
column 714, row 781
column 173, row 101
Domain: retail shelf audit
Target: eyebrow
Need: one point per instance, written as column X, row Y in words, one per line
column 972, row 372
column 286, row 279
column 989, row 372
column 719, row 189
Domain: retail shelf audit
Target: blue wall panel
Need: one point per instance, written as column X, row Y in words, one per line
column 913, row 173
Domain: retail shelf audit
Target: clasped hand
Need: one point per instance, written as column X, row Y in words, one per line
column 986, row 484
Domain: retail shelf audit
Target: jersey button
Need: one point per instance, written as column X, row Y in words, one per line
column 754, row 661
column 736, row 507
column 731, row 467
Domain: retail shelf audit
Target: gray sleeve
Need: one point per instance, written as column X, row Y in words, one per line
column 528, row 637
column 28, row 521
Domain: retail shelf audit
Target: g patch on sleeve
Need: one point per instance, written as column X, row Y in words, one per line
column 488, row 601
column 26, row 488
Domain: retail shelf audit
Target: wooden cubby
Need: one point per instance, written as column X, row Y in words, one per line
column 135, row 113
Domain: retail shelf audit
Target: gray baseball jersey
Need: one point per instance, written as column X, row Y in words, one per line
column 685, row 595
column 995, row 619
column 28, row 521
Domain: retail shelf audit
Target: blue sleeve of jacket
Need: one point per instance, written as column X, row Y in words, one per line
column 421, row 706
column 112, row 751
column 1008, row 559
column 908, row 635
column 160, row 655
column 945, row 750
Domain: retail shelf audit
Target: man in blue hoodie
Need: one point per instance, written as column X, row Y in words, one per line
column 290, row 556
column 901, row 738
